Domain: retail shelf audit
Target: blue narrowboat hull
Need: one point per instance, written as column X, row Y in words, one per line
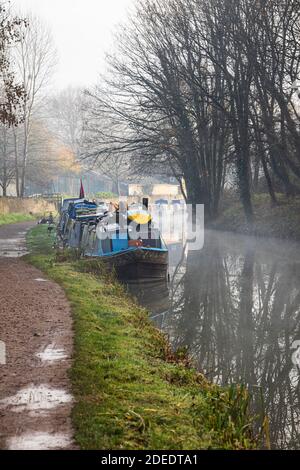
column 138, row 263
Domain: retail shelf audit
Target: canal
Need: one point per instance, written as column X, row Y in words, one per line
column 236, row 305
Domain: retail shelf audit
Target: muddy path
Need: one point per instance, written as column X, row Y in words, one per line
column 35, row 353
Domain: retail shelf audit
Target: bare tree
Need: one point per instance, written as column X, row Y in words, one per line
column 93, row 154
column 36, row 58
column 157, row 105
column 48, row 158
column 11, row 92
column 66, row 117
column 197, row 85
column 226, row 27
column 7, row 166
column 276, row 63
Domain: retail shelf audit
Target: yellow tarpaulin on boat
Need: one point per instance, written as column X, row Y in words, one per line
column 139, row 217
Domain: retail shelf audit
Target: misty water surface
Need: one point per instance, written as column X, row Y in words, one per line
column 236, row 305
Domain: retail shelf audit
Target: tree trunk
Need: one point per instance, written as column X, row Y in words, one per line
column 197, row 195
column 23, row 175
column 244, row 189
column 256, row 173
column 16, row 164
column 24, row 156
column 241, row 141
column 4, row 182
column 269, row 181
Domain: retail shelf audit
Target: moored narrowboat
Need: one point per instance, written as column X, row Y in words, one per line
column 135, row 250
column 126, row 240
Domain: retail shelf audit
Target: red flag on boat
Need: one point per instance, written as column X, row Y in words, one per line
column 81, row 194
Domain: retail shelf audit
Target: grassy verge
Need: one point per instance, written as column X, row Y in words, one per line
column 14, row 218
column 131, row 391
column 281, row 221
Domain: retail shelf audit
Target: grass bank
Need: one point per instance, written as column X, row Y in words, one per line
column 15, row 218
column 131, row 390
column 280, row 221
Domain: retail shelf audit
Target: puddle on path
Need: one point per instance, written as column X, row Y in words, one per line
column 13, row 254
column 39, row 441
column 51, row 354
column 34, row 398
column 13, row 247
column 40, row 279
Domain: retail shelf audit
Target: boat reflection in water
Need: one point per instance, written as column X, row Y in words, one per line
column 153, row 295
column 236, row 304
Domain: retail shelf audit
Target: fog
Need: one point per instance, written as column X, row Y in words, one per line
column 83, row 33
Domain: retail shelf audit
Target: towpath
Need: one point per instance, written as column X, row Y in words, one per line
column 35, row 352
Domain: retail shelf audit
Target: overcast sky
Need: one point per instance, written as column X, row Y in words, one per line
column 82, row 30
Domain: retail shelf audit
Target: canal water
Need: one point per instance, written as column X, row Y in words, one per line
column 236, row 305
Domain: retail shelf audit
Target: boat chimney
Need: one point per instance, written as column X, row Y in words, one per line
column 145, row 203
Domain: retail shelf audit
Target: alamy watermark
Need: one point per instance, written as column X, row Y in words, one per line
column 181, row 222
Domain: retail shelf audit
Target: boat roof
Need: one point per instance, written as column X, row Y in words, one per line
column 68, row 201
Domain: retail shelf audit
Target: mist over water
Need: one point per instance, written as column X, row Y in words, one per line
column 236, row 305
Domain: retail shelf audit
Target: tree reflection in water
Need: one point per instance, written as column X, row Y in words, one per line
column 236, row 303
